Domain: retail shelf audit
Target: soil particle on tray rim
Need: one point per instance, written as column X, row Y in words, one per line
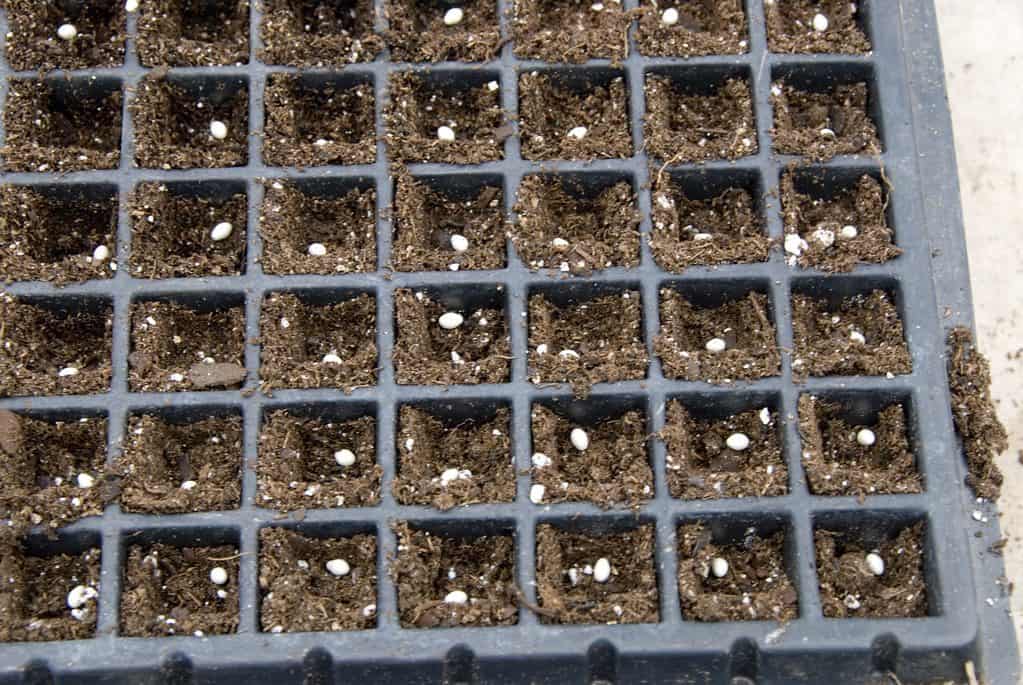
column 297, row 467
column 614, row 470
column 562, row 226
column 701, row 465
column 168, row 591
column 430, row 448
column 303, row 341
column 172, row 233
column 53, row 236
column 821, row 125
column 837, row 464
column 301, row 595
column 570, row 30
column 417, row 31
column 755, row 586
column 33, row 43
column 682, row 125
column 317, row 33
column 848, row 587
column 292, row 219
column 565, row 585
column 173, row 468
column 790, row 27
column 193, row 33
column 313, row 125
column 704, row 27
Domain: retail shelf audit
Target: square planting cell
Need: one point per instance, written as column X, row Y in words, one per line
column 62, row 234
column 692, row 28
column 823, row 119
column 454, row 454
column 193, row 33
column 816, row 26
column 33, row 43
column 315, row 582
column 426, row 31
column 318, row 33
column 448, row 580
column 569, row 30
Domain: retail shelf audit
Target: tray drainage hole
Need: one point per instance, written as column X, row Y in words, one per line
column 885, row 654
column 177, row 669
column 744, row 660
column 460, row 666
column 317, row 667
column 37, row 673
column 603, row 660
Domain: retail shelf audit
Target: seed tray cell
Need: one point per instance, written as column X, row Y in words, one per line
column 289, row 492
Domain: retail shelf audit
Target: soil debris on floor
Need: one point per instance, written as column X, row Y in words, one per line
column 193, row 33
column 823, row 124
column 427, row 32
column 570, row 30
column 318, row 33
column 697, row 28
column 33, row 43
column 793, row 26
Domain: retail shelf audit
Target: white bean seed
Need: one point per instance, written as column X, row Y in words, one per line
column 820, row 22
column 67, row 371
column 188, row 485
column 536, row 493
column 131, row 6
column 670, row 16
column 450, row 320
column 794, row 244
column 454, row 16
column 849, row 232
column 580, row 440
column 218, row 575
column 218, row 129
column 338, row 567
column 560, row 243
column 445, row 133
column 825, row 237
column 344, row 457
column 221, row 231
column 85, row 480
column 331, row 358
column 100, row 254
column 317, row 249
column 579, row 132
column 719, row 567
column 875, row 563
column 737, row 442
column 858, row 337
column 456, row 597
column 716, row 345
column 866, row 437
column 459, row 243
column 541, row 460
column 80, row 595
column 602, row 570
column 568, row 354
column 493, row 85
column 67, row 32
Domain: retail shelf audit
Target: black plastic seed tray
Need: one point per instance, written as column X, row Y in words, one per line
column 966, row 625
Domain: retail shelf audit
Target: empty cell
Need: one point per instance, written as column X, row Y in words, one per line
column 691, row 28
column 33, row 42
column 823, row 122
column 797, row 26
column 425, row 31
column 569, row 30
column 319, row 33
column 193, row 33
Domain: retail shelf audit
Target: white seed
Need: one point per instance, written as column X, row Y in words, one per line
column 317, row 249
column 669, row 16
column 765, row 416
column 218, row 575
column 580, row 440
column 456, row 597
column 221, row 231
column 827, row 133
column 820, row 22
column 560, row 243
column 703, row 236
column 344, row 457
column 851, row 602
column 454, row 16
column 445, row 133
column 218, row 129
column 866, row 437
column 176, row 377
column 459, row 243
column 285, row 323
column 737, row 442
column 719, row 567
column 492, row 85
column 540, row 460
column 536, row 493
column 849, row 232
column 331, row 358
column 579, row 132
column 131, row 6
column 450, row 320
column 338, row 567
column 449, row 476
column 80, row 595
column 67, row 32
column 188, row 485
column 67, row 371
column 716, row 345
column 100, row 254
column 825, row 237
column 541, row 348
column 875, row 563
column 857, row 337
column 369, row 610
column 456, row 358
column 568, row 354
column 85, row 480
column 794, row 244
column 602, row 570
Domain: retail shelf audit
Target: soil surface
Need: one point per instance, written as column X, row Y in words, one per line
column 47, row 130
column 176, row 348
column 836, row 464
column 550, row 108
column 172, row 125
column 827, row 345
column 477, row 351
column 744, row 324
column 297, row 468
column 588, row 342
column 726, row 229
column 292, row 220
column 168, row 591
column 299, row 594
column 821, row 125
column 52, row 237
column 700, row 465
column 429, row 567
column 426, row 219
column 313, row 125
column 298, row 336
column 601, row 228
column 174, row 468
column 318, row 33
column 33, row 597
column 565, row 586
column 570, row 30
column 193, row 33
column 850, row 590
column 704, row 27
column 417, row 32
column 171, row 233
column 754, row 588
column 613, row 471
column 40, row 344
column 790, row 27
column 431, row 449
column 33, row 44
column 685, row 125
column 820, row 223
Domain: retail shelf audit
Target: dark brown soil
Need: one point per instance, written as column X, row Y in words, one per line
column 744, row 324
column 293, row 219
column 570, row 30
column 550, row 108
column 700, row 465
column 417, row 32
column 301, row 595
column 51, row 236
column 297, row 468
column 821, row 125
column 313, row 124
column 33, row 596
column 687, row 125
column 605, row 334
column 171, row 232
column 846, row 581
column 423, row 352
column 425, row 219
column 429, row 567
column 982, row 434
column 41, row 465
column 755, row 587
column 60, row 129
column 629, row 596
column 824, row 341
column 430, row 448
column 726, row 229
column 790, row 27
column 39, row 343
column 836, row 464
column 820, row 222
column 171, row 467
column 177, row 348
column 33, row 44
column 318, row 33
column 601, row 228
column 613, row 471
column 172, row 124
column 193, row 33
column 168, row 591
column 297, row 336
column 705, row 27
